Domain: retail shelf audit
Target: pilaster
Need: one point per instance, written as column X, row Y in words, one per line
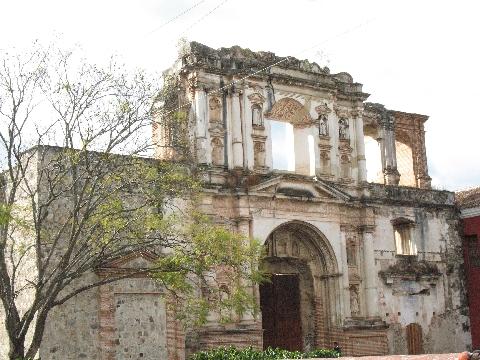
column 237, row 136
column 370, row 272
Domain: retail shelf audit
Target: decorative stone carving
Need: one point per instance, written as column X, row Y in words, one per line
column 355, row 113
column 323, row 109
column 291, row 111
column 217, row 152
column 215, row 110
column 342, row 112
column 256, row 98
column 354, row 300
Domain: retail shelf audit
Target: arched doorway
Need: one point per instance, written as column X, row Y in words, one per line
column 299, row 304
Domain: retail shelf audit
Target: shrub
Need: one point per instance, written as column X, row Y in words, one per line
column 231, row 353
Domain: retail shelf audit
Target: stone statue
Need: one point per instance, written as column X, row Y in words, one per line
column 257, row 116
column 215, row 106
column 323, row 129
column 354, row 301
column 343, row 129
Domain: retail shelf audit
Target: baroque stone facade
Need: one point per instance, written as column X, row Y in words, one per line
column 376, row 267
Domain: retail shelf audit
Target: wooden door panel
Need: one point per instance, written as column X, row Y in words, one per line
column 414, row 339
column 267, row 305
column 280, row 305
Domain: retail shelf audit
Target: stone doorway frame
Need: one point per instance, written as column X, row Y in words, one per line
column 303, row 245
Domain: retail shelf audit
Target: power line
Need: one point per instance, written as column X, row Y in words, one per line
column 358, row 26
column 176, row 17
column 203, row 17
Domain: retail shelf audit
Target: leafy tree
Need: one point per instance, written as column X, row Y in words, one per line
column 78, row 190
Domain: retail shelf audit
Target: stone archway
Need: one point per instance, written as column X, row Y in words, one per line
column 300, row 259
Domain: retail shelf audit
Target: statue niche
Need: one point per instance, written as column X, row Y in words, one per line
column 354, row 300
column 323, row 126
column 217, row 152
column 325, row 162
column 259, row 154
column 343, row 129
column 351, row 253
column 257, row 117
column 215, row 107
column 345, row 168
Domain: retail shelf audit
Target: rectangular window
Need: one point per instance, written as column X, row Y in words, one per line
column 403, row 240
column 283, row 150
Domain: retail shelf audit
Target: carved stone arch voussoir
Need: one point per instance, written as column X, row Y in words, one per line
column 291, row 111
column 319, row 248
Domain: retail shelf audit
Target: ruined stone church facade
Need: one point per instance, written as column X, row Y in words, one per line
column 375, row 266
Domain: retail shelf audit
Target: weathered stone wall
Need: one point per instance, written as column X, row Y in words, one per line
column 425, row 289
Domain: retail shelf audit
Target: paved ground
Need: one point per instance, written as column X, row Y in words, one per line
column 454, row 356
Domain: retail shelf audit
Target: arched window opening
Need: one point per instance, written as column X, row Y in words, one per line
column 374, row 160
column 283, row 150
column 405, row 164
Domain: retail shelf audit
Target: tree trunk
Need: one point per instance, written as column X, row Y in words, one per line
column 17, row 349
column 37, row 334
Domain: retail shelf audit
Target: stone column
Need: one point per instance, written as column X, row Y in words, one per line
column 391, row 174
column 370, row 273
column 424, row 181
column 201, row 122
column 237, row 136
column 360, row 145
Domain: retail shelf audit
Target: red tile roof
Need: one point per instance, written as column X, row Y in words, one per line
column 467, row 199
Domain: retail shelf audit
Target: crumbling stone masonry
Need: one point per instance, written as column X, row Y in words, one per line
column 376, row 267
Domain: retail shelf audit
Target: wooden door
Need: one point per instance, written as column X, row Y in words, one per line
column 414, row 339
column 280, row 305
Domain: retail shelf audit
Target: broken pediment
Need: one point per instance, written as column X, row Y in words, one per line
column 134, row 261
column 301, row 188
column 409, row 268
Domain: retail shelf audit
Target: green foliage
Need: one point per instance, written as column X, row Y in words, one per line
column 212, row 270
column 231, row 353
column 5, row 214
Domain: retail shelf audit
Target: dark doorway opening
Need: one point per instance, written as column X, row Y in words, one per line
column 280, row 305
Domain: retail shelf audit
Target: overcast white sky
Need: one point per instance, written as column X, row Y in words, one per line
column 413, row 56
